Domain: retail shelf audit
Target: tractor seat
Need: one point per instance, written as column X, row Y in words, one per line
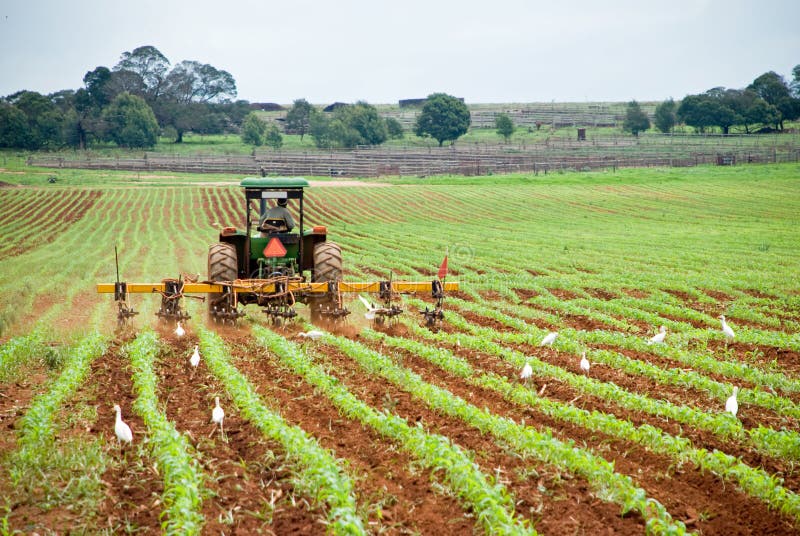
column 273, row 225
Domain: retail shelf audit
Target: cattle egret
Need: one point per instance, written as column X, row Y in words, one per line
column 585, row 363
column 314, row 334
column 726, row 329
column 370, row 314
column 194, row 360
column 548, row 339
column 527, row 372
column 658, row 337
column 179, row 331
column 731, row 405
column 217, row 415
column 123, row 431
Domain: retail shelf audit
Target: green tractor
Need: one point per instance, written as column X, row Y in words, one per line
column 273, row 260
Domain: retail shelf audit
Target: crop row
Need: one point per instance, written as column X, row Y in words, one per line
column 18, row 351
column 763, row 439
column 319, row 474
column 183, row 478
column 490, row 501
column 41, row 453
column 574, row 342
column 753, row 481
column 608, row 484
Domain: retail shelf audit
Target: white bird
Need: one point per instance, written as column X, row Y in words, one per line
column 527, row 372
column 726, row 329
column 194, row 360
column 370, row 314
column 217, row 415
column 658, row 337
column 731, row 405
column 585, row 363
column 549, row 338
column 179, row 331
column 314, row 334
column 123, row 431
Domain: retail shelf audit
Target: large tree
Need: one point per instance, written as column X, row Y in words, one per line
column 150, row 65
column 773, row 88
column 131, row 122
column 298, row 118
column 192, row 81
column 45, row 121
column 14, row 131
column 636, row 119
column 443, row 118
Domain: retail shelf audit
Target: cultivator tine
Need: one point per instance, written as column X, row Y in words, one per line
column 435, row 317
column 225, row 308
column 124, row 310
column 334, row 310
column 171, row 309
column 389, row 310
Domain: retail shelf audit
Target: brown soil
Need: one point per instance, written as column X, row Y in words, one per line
column 555, row 501
column 601, row 294
column 636, row 293
column 684, row 491
column 562, row 294
column 398, row 500
column 525, row 294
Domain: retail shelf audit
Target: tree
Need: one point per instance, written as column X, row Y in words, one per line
column 192, row 81
column 298, row 118
column 796, row 80
column 664, row 117
column 349, row 126
column 504, row 125
column 273, row 137
column 773, row 88
column 14, row 130
column 44, row 120
column 150, row 65
column 635, row 119
column 253, row 130
column 362, row 124
column 131, row 122
column 394, row 129
column 443, row 118
column 320, row 131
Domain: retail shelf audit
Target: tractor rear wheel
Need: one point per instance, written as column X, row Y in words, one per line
column 327, row 269
column 222, row 266
column 327, row 262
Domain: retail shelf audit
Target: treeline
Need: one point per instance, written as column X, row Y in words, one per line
column 766, row 104
column 442, row 117
column 130, row 104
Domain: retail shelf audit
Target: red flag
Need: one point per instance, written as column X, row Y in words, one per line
column 443, row 268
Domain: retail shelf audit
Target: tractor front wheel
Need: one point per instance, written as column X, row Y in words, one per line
column 222, row 266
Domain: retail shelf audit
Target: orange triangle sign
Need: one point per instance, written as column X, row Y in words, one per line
column 274, row 249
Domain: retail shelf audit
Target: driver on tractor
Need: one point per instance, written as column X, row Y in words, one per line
column 278, row 218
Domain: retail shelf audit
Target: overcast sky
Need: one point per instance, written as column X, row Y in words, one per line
column 345, row 50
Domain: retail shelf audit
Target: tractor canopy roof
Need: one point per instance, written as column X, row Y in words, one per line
column 274, row 182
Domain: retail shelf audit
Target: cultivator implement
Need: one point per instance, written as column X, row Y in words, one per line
column 277, row 298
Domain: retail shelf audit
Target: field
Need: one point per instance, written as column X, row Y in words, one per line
column 398, row 429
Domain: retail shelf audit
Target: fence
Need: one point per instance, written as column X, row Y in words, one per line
column 481, row 159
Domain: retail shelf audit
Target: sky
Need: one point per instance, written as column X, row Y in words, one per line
column 488, row 51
